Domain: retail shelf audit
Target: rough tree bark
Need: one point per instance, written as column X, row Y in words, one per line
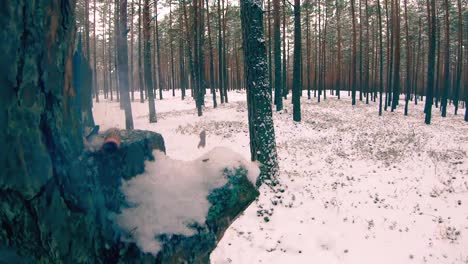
column 297, row 82
column 262, row 134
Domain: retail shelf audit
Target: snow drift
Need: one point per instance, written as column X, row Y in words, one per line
column 171, row 195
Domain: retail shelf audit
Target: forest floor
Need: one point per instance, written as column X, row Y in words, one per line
column 355, row 187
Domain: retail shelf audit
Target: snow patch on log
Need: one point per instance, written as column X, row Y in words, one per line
column 170, row 197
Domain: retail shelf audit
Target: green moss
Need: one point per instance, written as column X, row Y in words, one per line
column 232, row 198
column 227, row 203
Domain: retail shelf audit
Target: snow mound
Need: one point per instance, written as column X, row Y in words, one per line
column 172, row 195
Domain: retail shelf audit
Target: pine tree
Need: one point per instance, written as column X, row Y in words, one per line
column 123, row 64
column 182, row 71
column 379, row 10
column 408, row 60
column 132, row 83
column 277, row 54
column 212, row 78
column 396, row 55
column 338, row 29
column 147, row 61
column 431, row 58
column 446, row 87
column 458, row 76
column 261, row 128
column 171, row 44
column 297, row 82
column 95, row 82
column 285, row 65
column 220, row 56
column 307, row 22
column 141, row 84
column 353, row 59
column 158, row 51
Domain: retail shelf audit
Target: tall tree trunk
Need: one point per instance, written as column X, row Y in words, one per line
column 270, row 76
column 324, row 54
column 319, row 57
column 262, row 135
column 104, row 61
column 225, row 48
column 123, row 64
column 338, row 29
column 307, row 22
column 116, row 44
column 438, row 58
column 446, row 87
column 408, row 60
column 141, row 84
column 182, row 75
column 430, row 59
column 212, row 78
column 465, row 72
column 147, row 59
column 396, row 54
column 109, row 54
column 198, row 55
column 367, row 58
column 189, row 47
column 373, row 67
column 86, row 37
column 285, row 65
column 419, row 58
column 379, row 10
column 95, row 82
column 297, row 82
column 158, row 51
column 171, row 40
column 360, row 50
column 220, row 56
column 456, row 87
column 277, row 54
column 132, row 83
column 389, row 56
column 353, row 57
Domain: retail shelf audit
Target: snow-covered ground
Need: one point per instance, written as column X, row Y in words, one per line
column 355, row 187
